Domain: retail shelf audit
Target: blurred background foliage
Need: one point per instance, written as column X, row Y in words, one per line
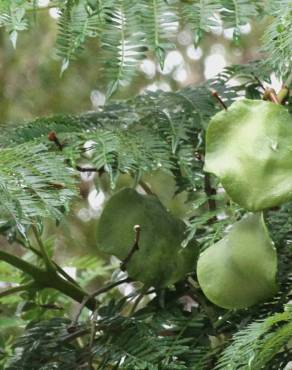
column 31, row 84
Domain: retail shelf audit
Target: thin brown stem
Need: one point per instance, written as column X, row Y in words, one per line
column 271, row 95
column 51, row 306
column 135, row 247
column 210, row 192
column 146, row 188
column 74, row 335
column 53, row 137
column 135, row 305
column 217, row 97
column 138, row 299
column 259, row 82
column 86, row 169
column 95, row 294
column 100, row 171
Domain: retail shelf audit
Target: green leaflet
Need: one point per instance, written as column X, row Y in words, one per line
column 160, row 259
column 240, row 269
column 249, row 147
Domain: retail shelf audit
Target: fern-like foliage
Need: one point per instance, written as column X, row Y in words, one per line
column 40, row 340
column 161, row 24
column 129, row 151
column 238, row 13
column 121, row 39
column 201, row 17
column 154, row 338
column 277, row 42
column 12, row 17
column 78, row 21
column 127, row 30
column 41, row 127
column 255, row 346
column 33, row 183
column 153, row 130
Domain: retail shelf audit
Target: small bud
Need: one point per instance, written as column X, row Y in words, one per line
column 52, row 136
column 217, row 97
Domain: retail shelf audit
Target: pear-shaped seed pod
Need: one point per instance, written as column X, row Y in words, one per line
column 240, row 269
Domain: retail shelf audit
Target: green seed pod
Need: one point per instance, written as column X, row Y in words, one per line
column 160, row 259
column 163, row 184
column 240, row 269
column 249, row 147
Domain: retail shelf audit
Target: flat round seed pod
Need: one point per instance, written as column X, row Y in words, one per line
column 160, row 259
column 240, row 270
column 249, row 147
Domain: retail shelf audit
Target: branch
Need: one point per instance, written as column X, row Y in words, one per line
column 146, row 188
column 58, row 268
column 271, row 95
column 259, row 82
column 71, row 290
column 100, row 171
column 22, row 265
column 136, row 303
column 144, row 292
column 16, row 289
column 217, row 97
column 76, row 334
column 48, row 279
column 96, row 293
column 46, row 258
column 210, row 192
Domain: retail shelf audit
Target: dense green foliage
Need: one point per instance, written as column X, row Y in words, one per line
column 154, row 133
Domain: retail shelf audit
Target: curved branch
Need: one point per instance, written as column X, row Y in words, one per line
column 16, row 289
column 49, row 279
column 96, row 293
column 22, row 265
column 46, row 258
